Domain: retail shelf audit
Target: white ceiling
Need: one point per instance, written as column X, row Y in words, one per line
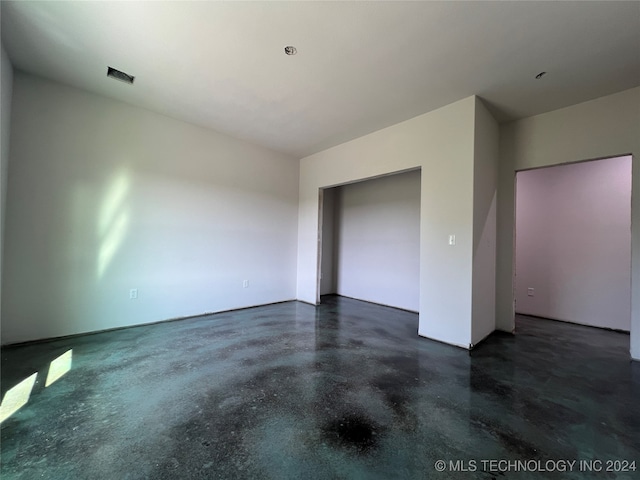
column 361, row 66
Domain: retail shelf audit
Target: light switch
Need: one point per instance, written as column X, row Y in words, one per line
column 452, row 239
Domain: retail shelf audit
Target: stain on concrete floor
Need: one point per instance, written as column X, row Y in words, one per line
column 345, row 390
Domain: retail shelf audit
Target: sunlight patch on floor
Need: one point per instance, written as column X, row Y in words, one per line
column 17, row 397
column 59, row 367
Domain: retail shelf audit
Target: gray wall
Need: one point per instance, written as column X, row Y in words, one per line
column 106, row 197
column 329, row 282
column 573, row 242
column 485, row 191
column 6, row 93
column 377, row 248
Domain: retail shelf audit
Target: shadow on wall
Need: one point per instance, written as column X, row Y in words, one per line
column 371, row 240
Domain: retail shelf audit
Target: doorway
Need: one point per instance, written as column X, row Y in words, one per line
column 369, row 239
column 573, row 243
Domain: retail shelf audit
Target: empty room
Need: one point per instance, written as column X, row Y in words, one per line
column 323, row 240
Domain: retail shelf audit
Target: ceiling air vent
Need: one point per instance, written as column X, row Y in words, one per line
column 118, row 75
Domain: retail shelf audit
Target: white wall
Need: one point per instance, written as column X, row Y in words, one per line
column 6, row 93
column 378, row 240
column 485, row 190
column 441, row 143
column 105, row 197
column 605, row 127
column 573, row 242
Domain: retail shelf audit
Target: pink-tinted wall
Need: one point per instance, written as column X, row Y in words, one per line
column 573, row 242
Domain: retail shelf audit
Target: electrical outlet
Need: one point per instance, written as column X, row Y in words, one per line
column 133, row 293
column 530, row 292
column 245, row 284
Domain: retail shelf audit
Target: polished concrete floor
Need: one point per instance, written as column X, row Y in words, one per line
column 343, row 391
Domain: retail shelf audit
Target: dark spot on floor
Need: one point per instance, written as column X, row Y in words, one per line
column 356, row 433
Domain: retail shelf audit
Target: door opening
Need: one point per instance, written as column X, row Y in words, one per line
column 369, row 240
column 573, row 243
